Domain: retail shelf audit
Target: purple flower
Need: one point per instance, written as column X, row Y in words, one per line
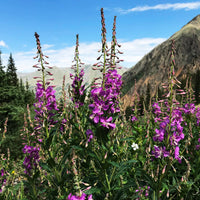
column 134, row 119
column 105, row 100
column 78, row 90
column 46, row 106
column 89, row 134
column 159, row 136
column 176, row 138
column 107, row 123
column 2, row 172
column 198, row 115
column 176, row 154
column 158, row 152
column 189, row 108
column 82, row 197
column 32, row 158
column 157, row 109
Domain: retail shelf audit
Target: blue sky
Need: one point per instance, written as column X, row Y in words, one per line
column 141, row 25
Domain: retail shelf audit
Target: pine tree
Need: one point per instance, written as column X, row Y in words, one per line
column 14, row 98
column 11, row 73
column 27, row 85
column 2, row 73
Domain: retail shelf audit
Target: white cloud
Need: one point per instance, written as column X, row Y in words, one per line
column 47, row 46
column 133, row 51
column 3, row 44
column 168, row 6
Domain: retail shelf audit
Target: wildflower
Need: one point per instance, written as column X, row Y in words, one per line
column 134, row 146
column 107, row 123
column 189, row 108
column 158, row 152
column 105, row 101
column 45, row 94
column 159, row 136
column 78, row 90
column 157, row 109
column 2, row 172
column 105, row 94
column 134, row 119
column 198, row 115
column 176, row 154
column 82, row 197
column 32, row 159
column 46, row 105
column 142, row 192
column 89, row 134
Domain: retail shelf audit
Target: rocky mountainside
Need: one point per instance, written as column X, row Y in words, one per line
column 154, row 67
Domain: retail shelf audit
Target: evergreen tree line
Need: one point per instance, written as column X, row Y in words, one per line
column 14, row 97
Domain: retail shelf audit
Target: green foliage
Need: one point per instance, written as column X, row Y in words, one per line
column 11, row 75
column 115, row 164
column 13, row 100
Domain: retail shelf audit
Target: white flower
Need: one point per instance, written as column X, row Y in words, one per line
column 135, row 146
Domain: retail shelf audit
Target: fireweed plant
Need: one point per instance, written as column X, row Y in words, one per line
column 85, row 148
column 78, row 90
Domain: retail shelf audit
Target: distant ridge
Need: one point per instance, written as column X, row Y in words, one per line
column 153, row 68
column 58, row 74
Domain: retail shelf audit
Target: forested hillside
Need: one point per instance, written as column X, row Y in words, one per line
column 14, row 96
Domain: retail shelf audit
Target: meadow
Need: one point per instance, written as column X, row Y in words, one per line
column 88, row 149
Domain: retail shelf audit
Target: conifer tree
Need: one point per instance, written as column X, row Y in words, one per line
column 2, row 73
column 13, row 100
column 27, row 85
column 11, row 73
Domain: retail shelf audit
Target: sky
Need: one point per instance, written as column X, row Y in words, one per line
column 141, row 25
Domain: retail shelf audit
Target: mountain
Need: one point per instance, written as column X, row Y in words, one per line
column 58, row 74
column 154, row 67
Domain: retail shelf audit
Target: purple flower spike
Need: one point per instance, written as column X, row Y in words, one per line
column 176, row 154
column 105, row 101
column 32, row 159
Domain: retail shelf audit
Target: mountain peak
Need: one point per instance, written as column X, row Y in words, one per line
column 191, row 28
column 153, row 68
column 195, row 21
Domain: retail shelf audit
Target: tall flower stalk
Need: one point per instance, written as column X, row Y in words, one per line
column 78, row 89
column 105, row 96
column 45, row 94
column 170, row 132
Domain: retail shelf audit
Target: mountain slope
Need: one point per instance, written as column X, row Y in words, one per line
column 153, row 68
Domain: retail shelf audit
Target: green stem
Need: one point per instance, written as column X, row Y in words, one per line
column 104, row 66
column 112, row 174
column 34, row 190
column 108, row 182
